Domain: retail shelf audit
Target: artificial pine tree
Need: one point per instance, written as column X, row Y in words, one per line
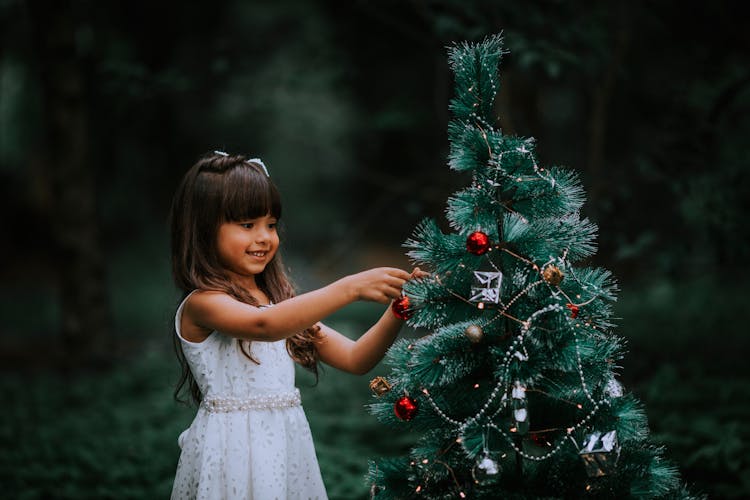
column 514, row 390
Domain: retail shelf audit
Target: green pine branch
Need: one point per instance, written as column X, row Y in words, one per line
column 518, row 369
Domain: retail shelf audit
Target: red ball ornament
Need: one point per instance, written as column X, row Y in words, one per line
column 478, row 243
column 405, row 408
column 573, row 310
column 400, row 308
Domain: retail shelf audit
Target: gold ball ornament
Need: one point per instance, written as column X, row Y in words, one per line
column 474, row 333
column 552, row 275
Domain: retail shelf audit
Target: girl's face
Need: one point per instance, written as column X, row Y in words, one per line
column 246, row 247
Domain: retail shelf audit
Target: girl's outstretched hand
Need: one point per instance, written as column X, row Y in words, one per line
column 381, row 284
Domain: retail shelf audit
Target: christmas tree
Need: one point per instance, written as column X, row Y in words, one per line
column 513, row 392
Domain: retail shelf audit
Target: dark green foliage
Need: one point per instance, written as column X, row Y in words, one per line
column 477, row 79
column 508, row 412
column 110, row 435
column 55, row 422
column 670, row 191
column 542, row 238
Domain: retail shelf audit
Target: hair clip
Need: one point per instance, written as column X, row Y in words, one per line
column 250, row 161
column 259, row 162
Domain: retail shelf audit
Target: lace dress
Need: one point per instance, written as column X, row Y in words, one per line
column 250, row 438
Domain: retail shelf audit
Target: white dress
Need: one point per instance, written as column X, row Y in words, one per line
column 250, row 438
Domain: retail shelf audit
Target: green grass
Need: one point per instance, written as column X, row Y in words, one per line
column 113, row 434
column 105, row 435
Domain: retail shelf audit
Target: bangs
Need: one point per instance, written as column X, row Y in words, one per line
column 249, row 194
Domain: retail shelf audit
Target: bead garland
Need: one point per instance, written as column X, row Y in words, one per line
column 544, row 175
column 510, row 353
column 562, row 440
column 580, row 367
column 465, row 70
column 521, row 293
column 508, row 357
column 496, row 163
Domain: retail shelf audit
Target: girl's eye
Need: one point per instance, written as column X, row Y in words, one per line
column 247, row 225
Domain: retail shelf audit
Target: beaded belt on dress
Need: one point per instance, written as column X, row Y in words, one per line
column 260, row 402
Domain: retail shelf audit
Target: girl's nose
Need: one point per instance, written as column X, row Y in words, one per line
column 262, row 234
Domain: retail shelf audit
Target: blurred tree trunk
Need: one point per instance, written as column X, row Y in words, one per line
column 600, row 98
column 71, row 205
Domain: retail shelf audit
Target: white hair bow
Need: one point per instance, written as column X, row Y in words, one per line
column 251, row 160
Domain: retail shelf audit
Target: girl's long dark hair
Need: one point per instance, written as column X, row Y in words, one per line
column 215, row 190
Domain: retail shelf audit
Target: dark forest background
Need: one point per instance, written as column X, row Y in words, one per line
column 104, row 105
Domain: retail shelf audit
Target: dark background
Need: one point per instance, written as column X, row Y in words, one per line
column 104, row 105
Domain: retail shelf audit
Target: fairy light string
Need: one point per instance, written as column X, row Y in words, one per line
column 510, row 354
column 462, row 425
column 507, row 359
column 498, row 400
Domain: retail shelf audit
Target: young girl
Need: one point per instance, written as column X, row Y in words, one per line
column 239, row 329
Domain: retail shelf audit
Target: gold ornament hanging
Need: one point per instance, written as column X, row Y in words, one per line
column 552, row 275
column 474, row 333
column 379, row 386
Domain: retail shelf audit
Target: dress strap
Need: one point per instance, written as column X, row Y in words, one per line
column 225, row 404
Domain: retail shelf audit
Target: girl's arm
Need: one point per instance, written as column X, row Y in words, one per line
column 361, row 356
column 207, row 311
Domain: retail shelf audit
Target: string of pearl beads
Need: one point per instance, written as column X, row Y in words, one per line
column 228, row 404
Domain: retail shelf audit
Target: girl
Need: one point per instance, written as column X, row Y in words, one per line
column 239, row 329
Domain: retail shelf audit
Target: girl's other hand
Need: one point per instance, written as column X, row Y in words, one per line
column 381, row 284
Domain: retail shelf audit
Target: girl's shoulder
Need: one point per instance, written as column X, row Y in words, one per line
column 205, row 311
column 193, row 306
column 199, row 300
column 199, row 295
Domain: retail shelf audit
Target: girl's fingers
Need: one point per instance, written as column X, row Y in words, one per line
column 388, row 285
column 387, row 297
column 392, row 292
column 381, row 299
column 396, row 282
column 399, row 273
